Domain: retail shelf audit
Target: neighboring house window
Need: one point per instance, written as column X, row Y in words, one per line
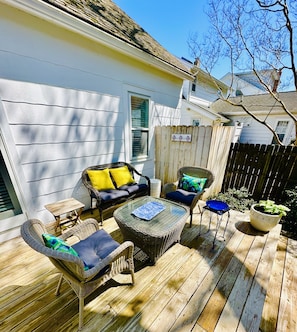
column 193, row 87
column 140, row 126
column 281, row 130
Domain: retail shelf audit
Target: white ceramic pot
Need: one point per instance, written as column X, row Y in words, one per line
column 262, row 221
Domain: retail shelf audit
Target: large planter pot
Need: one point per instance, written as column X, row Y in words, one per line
column 262, row 221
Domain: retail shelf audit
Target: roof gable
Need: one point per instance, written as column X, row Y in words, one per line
column 108, row 17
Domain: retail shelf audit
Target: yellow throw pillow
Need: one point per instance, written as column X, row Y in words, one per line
column 121, row 176
column 100, row 179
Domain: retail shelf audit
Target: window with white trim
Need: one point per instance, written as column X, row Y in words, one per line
column 140, row 126
column 281, row 129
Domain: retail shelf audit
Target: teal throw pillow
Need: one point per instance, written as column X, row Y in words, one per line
column 58, row 244
column 192, row 184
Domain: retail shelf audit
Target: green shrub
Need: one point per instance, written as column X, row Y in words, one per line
column 237, row 199
column 289, row 222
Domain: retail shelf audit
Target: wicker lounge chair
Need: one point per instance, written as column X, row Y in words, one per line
column 113, row 258
column 186, row 194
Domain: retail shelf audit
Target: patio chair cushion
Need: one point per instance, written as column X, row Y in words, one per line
column 121, row 176
column 95, row 248
column 110, row 195
column 191, row 183
column 181, row 196
column 58, row 244
column 100, row 179
column 134, row 188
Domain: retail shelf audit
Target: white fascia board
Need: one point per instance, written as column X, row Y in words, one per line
column 58, row 17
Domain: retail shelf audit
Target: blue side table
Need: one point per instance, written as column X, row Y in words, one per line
column 219, row 208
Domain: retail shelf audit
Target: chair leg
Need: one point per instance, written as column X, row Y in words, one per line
column 101, row 216
column 59, row 284
column 133, row 277
column 191, row 218
column 81, row 313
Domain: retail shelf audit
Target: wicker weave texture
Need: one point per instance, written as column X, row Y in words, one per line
column 155, row 236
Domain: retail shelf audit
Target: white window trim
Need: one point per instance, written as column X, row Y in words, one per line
column 144, row 96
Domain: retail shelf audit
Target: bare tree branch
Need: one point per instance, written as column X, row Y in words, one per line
column 253, row 35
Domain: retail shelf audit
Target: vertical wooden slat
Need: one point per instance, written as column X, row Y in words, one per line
column 265, row 170
column 173, row 155
column 218, row 155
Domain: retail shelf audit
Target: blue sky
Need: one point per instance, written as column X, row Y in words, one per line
column 170, row 22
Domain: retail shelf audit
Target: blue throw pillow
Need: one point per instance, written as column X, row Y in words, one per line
column 191, row 183
column 58, row 244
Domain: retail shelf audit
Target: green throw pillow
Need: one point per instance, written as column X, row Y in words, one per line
column 58, row 244
column 192, row 184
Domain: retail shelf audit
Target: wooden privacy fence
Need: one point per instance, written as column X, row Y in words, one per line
column 209, row 148
column 265, row 170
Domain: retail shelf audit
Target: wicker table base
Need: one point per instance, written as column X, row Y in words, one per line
column 155, row 236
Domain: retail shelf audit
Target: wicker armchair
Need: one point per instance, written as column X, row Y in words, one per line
column 175, row 192
column 72, row 268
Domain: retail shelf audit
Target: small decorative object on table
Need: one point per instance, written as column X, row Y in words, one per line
column 219, row 208
column 148, row 210
column 266, row 214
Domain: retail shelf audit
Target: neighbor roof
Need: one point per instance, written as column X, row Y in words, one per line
column 108, row 17
column 257, row 103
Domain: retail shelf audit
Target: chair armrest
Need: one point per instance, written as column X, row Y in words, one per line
column 169, row 187
column 125, row 250
column 90, row 188
column 134, row 170
column 82, row 230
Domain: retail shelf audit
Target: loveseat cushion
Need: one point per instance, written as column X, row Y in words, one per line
column 181, row 196
column 134, row 188
column 121, row 176
column 112, row 195
column 95, row 248
column 100, row 179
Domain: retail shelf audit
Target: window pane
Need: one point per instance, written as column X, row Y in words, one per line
column 9, row 204
column 280, row 130
column 5, row 201
column 140, row 125
column 140, row 143
column 139, row 108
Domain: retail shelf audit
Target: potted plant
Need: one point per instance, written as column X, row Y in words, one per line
column 266, row 214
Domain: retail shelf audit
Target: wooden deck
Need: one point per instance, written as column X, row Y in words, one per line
column 247, row 283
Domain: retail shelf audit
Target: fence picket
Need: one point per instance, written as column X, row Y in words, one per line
column 265, row 170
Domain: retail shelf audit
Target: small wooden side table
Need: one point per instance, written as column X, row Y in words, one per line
column 69, row 208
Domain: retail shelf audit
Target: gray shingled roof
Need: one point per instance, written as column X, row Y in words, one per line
column 258, row 103
column 108, row 17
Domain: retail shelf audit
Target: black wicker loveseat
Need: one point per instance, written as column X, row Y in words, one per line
column 114, row 183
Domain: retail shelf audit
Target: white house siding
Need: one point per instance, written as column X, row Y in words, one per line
column 64, row 106
column 254, row 132
column 236, row 83
column 204, row 91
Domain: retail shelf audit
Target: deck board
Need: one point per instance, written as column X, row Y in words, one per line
column 192, row 287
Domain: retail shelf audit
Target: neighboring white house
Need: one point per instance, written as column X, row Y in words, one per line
column 247, row 83
column 80, row 84
column 198, row 96
column 265, row 107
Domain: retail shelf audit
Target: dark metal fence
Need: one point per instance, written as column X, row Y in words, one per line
column 265, row 170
